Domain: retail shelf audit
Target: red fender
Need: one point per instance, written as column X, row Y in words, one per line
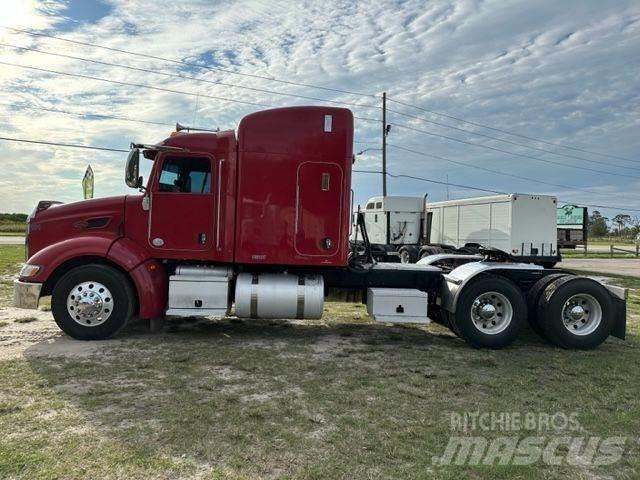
column 152, row 284
column 148, row 275
column 127, row 253
column 51, row 257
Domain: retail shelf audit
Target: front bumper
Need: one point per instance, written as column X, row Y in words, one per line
column 26, row 295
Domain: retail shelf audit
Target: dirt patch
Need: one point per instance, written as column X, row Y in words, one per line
column 17, row 334
column 35, row 333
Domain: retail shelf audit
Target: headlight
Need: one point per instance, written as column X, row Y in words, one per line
column 29, row 270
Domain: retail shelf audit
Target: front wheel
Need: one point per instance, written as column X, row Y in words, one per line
column 490, row 312
column 92, row 302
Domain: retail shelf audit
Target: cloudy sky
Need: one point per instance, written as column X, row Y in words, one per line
column 566, row 73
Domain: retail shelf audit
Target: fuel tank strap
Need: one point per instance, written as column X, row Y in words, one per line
column 254, row 296
column 300, row 300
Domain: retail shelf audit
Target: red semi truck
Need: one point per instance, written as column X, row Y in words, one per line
column 258, row 223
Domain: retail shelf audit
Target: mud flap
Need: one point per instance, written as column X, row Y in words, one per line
column 620, row 328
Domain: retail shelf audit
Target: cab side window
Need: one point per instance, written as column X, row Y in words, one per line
column 185, row 175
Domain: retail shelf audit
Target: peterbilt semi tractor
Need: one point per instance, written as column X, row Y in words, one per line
column 255, row 223
column 410, row 228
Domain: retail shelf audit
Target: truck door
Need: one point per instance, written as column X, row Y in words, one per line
column 318, row 209
column 182, row 210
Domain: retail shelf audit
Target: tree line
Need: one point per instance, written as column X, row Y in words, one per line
column 621, row 225
column 13, row 217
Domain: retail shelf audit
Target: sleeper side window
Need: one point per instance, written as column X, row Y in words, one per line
column 185, row 175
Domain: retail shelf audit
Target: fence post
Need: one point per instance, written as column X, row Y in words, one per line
column 637, row 249
column 611, row 247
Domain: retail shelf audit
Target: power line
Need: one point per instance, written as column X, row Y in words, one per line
column 458, row 119
column 150, row 87
column 429, row 180
column 412, row 177
column 496, row 172
column 138, row 85
column 444, row 125
column 538, row 159
column 118, row 117
column 324, row 100
column 195, row 65
column 85, row 115
column 183, row 77
column 185, row 63
column 66, row 145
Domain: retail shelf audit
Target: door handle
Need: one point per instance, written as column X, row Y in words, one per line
column 202, row 238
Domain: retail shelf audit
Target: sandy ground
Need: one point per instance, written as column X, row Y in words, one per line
column 36, row 333
column 617, row 266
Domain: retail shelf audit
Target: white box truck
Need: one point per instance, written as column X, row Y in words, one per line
column 521, row 225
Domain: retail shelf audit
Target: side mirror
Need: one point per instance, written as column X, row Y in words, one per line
column 132, row 170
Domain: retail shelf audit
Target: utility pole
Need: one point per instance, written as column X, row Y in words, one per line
column 384, row 144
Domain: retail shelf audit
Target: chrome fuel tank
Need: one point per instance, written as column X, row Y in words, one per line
column 279, row 295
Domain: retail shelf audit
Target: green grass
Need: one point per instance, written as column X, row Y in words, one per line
column 25, row 320
column 11, row 256
column 581, row 254
column 12, row 228
column 341, row 398
column 611, row 240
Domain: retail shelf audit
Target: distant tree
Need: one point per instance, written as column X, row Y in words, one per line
column 598, row 225
column 634, row 226
column 620, row 221
column 13, row 217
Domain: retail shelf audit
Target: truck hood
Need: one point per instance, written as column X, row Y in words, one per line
column 53, row 222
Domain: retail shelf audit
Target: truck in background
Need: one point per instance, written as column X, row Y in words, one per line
column 410, row 228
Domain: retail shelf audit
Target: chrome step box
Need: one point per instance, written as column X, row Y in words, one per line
column 397, row 305
column 199, row 291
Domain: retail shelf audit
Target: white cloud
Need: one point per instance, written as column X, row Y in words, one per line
column 563, row 71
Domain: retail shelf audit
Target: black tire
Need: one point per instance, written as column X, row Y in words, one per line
column 533, row 297
column 550, row 313
column 463, row 323
column 408, row 255
column 451, row 322
column 122, row 303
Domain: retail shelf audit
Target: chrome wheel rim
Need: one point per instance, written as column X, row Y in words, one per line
column 491, row 313
column 404, row 257
column 581, row 314
column 90, row 304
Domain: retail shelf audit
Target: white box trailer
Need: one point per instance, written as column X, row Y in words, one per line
column 393, row 220
column 521, row 225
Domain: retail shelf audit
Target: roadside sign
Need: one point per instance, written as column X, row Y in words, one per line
column 571, row 215
column 87, row 183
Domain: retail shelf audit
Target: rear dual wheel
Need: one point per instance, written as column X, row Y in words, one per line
column 533, row 298
column 576, row 312
column 490, row 312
